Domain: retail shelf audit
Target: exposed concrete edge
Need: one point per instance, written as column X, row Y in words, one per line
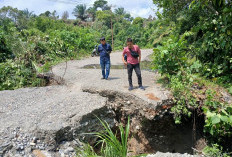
column 133, row 102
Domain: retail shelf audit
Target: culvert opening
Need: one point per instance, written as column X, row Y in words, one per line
column 164, row 135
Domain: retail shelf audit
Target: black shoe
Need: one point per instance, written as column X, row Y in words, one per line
column 106, row 78
column 102, row 78
column 130, row 88
column 141, row 87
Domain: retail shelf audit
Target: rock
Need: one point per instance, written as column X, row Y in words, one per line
column 137, row 127
column 159, row 154
column 28, row 150
column 34, row 140
column 47, row 154
column 32, row 144
column 62, row 155
column 1, row 153
column 69, row 150
column 41, row 147
column 21, row 147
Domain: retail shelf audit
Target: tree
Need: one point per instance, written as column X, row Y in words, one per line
column 47, row 13
column 150, row 18
column 54, row 15
column 9, row 12
column 80, row 12
column 65, row 15
column 28, row 14
column 120, row 11
column 138, row 21
column 19, row 17
column 101, row 4
column 106, row 17
column 128, row 17
column 91, row 11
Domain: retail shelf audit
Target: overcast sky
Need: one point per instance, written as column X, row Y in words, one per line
column 142, row 8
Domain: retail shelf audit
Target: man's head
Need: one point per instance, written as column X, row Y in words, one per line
column 103, row 40
column 129, row 43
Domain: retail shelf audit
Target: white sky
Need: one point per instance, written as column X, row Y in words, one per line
column 142, row 8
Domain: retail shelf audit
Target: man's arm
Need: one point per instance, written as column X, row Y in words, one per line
column 123, row 59
column 98, row 48
column 139, row 57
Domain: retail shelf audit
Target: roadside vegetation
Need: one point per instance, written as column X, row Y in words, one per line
column 195, row 60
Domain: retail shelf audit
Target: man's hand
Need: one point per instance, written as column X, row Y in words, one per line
column 124, row 61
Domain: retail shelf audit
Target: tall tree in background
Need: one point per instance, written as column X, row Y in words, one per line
column 28, row 14
column 101, row 4
column 9, row 12
column 128, row 17
column 54, row 15
column 80, row 12
column 91, row 11
column 138, row 21
column 120, row 11
column 47, row 14
column 65, row 15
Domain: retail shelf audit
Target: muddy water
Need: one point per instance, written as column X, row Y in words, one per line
column 144, row 65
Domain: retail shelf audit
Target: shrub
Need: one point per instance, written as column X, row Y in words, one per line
column 111, row 146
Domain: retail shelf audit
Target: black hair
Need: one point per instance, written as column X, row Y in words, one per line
column 102, row 38
column 129, row 40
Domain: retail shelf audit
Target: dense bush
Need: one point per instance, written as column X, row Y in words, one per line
column 214, row 46
column 5, row 52
column 194, row 53
column 17, row 75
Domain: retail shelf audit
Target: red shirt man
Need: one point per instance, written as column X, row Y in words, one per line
column 131, row 59
column 132, row 62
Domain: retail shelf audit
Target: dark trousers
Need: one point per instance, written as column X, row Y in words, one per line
column 130, row 68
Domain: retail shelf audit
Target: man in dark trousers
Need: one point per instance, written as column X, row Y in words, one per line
column 104, row 50
column 133, row 53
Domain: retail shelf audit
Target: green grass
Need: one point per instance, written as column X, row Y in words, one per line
column 111, row 146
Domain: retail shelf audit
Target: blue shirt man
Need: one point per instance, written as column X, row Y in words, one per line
column 104, row 49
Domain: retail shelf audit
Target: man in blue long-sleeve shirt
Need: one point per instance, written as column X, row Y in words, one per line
column 104, row 49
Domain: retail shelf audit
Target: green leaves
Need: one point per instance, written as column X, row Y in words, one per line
column 111, row 146
column 230, row 90
column 215, row 119
column 170, row 57
column 214, row 150
column 219, row 124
